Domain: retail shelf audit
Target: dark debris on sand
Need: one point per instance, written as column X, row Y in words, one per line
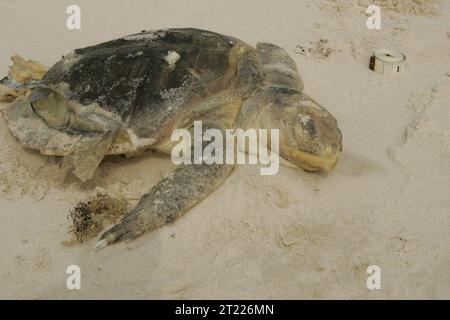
column 89, row 217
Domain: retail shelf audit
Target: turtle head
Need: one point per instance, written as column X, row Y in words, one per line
column 309, row 136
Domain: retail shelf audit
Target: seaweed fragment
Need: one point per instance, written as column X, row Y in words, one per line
column 89, row 217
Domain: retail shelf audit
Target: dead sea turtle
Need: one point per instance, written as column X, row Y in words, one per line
column 128, row 95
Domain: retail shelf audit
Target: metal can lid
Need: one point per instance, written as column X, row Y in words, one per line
column 389, row 55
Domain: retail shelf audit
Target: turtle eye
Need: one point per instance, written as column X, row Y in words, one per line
column 307, row 126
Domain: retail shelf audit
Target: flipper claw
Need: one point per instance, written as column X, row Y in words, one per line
column 125, row 230
column 100, row 244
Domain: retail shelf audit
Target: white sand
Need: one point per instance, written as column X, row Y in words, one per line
column 293, row 235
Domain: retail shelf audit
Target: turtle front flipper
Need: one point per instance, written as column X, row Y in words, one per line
column 168, row 200
column 188, row 184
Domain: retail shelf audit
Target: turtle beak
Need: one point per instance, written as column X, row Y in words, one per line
column 311, row 162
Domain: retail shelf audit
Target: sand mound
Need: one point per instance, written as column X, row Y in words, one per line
column 428, row 8
column 407, row 7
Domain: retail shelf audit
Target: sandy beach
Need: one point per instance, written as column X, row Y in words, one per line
column 295, row 235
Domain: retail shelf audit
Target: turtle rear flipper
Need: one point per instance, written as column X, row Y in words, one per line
column 46, row 120
column 82, row 151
